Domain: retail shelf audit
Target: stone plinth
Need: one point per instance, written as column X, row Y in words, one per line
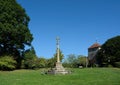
column 59, row 69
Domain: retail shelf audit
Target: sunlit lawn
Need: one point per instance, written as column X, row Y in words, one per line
column 94, row 76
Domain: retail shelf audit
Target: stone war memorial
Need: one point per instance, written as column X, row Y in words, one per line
column 59, row 69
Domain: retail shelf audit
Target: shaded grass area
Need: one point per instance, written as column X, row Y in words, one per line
column 94, row 76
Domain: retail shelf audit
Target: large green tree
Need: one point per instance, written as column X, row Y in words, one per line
column 14, row 32
column 110, row 52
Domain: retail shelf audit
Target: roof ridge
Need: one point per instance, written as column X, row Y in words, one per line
column 96, row 44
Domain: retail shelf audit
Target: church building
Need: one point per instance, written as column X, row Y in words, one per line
column 92, row 51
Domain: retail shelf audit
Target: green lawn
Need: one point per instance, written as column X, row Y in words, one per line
column 94, row 76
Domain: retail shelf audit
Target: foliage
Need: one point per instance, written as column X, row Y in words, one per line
column 110, row 52
column 30, row 59
column 72, row 61
column 61, row 55
column 83, row 60
column 41, row 62
column 95, row 76
column 14, row 32
column 52, row 61
column 75, row 61
column 7, row 63
column 117, row 64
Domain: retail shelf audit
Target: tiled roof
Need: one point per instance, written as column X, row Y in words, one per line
column 95, row 45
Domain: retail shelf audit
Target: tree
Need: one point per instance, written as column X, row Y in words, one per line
column 110, row 52
column 83, row 60
column 51, row 63
column 75, row 61
column 14, row 32
column 71, row 61
column 30, row 59
column 41, row 62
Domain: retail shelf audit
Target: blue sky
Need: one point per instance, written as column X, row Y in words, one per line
column 78, row 23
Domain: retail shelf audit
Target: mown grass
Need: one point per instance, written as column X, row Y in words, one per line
column 94, row 76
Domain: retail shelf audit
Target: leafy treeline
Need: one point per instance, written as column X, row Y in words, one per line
column 109, row 55
column 75, row 61
column 31, row 61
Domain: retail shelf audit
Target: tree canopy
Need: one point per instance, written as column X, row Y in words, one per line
column 110, row 52
column 14, row 31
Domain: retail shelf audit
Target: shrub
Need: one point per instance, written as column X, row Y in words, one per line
column 117, row 64
column 7, row 63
